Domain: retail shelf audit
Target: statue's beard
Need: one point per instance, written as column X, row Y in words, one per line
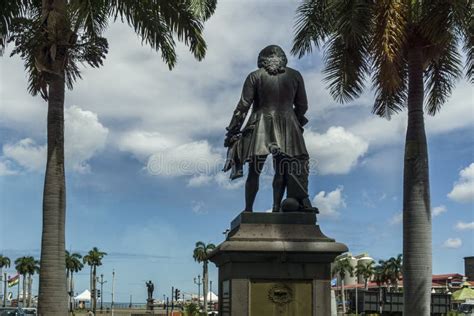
column 274, row 64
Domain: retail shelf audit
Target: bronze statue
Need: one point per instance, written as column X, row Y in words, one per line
column 275, row 127
column 150, row 288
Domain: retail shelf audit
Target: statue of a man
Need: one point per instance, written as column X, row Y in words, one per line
column 150, row 288
column 275, row 127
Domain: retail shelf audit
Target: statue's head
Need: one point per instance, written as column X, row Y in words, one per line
column 273, row 59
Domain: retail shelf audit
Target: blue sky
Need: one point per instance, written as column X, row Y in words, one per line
column 133, row 129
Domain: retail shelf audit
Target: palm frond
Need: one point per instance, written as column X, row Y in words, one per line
column 27, row 39
column 441, row 76
column 347, row 51
column 203, row 9
column 157, row 21
column 90, row 15
column 312, row 26
column 388, row 49
column 9, row 11
column 469, row 48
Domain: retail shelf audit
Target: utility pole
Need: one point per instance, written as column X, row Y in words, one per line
column 167, row 305
column 113, row 290
column 101, row 282
column 198, row 283
column 210, row 294
column 130, row 305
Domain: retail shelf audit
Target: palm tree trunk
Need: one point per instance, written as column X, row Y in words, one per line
column 30, row 283
column 366, row 284
column 343, row 296
column 94, row 297
column 23, row 300
column 416, row 198
column 52, row 300
column 71, row 292
column 68, row 280
column 205, row 283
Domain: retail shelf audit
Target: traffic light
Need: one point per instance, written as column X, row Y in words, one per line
column 177, row 294
column 98, row 293
column 93, row 293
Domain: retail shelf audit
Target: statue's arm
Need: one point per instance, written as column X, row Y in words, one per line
column 301, row 101
column 246, row 100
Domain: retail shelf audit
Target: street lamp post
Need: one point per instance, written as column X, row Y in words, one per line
column 198, row 283
column 210, row 294
column 113, row 292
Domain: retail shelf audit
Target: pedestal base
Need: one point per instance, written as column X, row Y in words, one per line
column 275, row 264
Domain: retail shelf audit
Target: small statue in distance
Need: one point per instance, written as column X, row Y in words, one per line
column 278, row 99
column 150, row 288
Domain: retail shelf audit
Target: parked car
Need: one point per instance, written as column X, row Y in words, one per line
column 11, row 311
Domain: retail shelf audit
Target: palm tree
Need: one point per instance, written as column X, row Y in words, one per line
column 340, row 269
column 27, row 266
column 94, row 259
column 73, row 265
column 4, row 263
column 410, row 49
column 52, row 37
column 365, row 271
column 200, row 254
column 380, row 277
column 394, row 270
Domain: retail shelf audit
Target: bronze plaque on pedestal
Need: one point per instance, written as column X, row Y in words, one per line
column 288, row 298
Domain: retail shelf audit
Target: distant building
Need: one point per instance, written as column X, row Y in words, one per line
column 469, row 267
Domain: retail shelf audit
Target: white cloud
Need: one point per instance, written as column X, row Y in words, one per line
column 464, row 226
column 337, row 151
column 438, row 210
column 222, row 179
column 197, row 207
column 6, row 168
column 330, row 203
column 84, row 136
column 27, row 154
column 396, row 219
column 200, row 180
column 190, row 159
column 463, row 189
column 452, row 243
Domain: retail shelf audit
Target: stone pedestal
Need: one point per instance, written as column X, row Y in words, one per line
column 275, row 264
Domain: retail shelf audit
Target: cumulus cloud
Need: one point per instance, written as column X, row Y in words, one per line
column 452, row 243
column 337, row 151
column 438, row 210
column 84, row 136
column 330, row 203
column 463, row 189
column 396, row 219
column 6, row 168
column 27, row 154
column 464, row 226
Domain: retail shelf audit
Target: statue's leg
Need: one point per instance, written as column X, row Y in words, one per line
column 279, row 180
column 251, row 185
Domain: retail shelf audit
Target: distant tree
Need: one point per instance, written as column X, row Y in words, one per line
column 365, row 271
column 340, row 269
column 381, row 277
column 53, row 37
column 4, row 263
column 94, row 259
column 200, row 254
column 73, row 265
column 27, row 266
column 410, row 49
column 393, row 268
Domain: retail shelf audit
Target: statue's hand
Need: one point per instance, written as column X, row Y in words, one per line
column 231, row 138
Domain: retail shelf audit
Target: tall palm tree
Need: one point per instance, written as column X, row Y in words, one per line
column 365, row 271
column 340, row 269
column 410, row 49
column 73, row 265
column 27, row 266
column 52, row 37
column 200, row 254
column 94, row 259
column 394, row 270
column 4, row 263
